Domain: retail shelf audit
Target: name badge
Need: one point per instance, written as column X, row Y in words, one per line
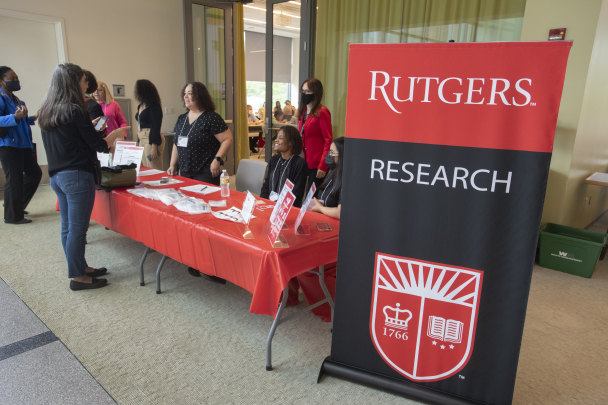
column 182, row 141
column 274, row 196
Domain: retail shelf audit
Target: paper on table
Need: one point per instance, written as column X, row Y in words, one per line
column 248, row 206
column 104, row 159
column 120, row 146
column 157, row 183
column 304, row 208
column 201, row 189
column 150, row 172
column 233, row 215
column 131, row 154
column 221, row 203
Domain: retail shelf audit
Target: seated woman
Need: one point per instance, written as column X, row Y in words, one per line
column 278, row 117
column 328, row 201
column 286, row 164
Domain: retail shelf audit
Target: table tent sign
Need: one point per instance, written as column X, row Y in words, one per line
column 443, row 190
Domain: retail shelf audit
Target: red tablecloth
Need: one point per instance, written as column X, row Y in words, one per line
column 216, row 246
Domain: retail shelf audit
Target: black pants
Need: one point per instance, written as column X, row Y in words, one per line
column 22, row 178
column 312, row 178
column 202, row 175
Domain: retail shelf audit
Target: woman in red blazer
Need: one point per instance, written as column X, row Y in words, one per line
column 315, row 126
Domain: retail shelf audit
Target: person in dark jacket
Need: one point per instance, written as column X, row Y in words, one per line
column 20, row 168
column 286, row 164
column 71, row 143
column 95, row 110
column 150, row 117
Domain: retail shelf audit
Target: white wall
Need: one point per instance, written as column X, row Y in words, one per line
column 33, row 67
column 120, row 41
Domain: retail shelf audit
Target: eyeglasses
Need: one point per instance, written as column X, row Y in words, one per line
column 99, row 90
column 331, row 153
column 306, row 92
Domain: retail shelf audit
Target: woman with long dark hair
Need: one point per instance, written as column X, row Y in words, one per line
column 71, row 144
column 150, row 117
column 20, row 168
column 328, row 201
column 315, row 126
column 286, row 165
column 328, row 198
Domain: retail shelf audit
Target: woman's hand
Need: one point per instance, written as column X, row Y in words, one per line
column 318, row 206
column 154, row 152
column 21, row 112
column 216, row 168
column 172, row 171
column 320, row 174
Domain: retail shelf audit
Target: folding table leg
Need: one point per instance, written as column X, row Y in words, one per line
column 273, row 329
column 326, row 292
column 160, row 266
column 141, row 266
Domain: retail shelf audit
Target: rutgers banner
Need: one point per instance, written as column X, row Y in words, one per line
column 445, row 169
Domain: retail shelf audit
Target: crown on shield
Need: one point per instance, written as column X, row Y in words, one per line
column 392, row 319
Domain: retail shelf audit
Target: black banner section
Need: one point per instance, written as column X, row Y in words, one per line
column 436, row 253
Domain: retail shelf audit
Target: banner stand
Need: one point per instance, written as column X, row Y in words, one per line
column 408, row 390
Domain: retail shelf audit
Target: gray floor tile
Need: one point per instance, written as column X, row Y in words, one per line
column 49, row 375
column 17, row 321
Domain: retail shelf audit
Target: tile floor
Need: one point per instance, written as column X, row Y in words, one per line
column 35, row 366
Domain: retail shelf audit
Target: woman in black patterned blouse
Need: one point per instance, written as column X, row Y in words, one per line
column 202, row 138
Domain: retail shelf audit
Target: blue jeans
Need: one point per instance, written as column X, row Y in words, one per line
column 75, row 191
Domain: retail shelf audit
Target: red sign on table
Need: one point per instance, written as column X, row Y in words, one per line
column 281, row 216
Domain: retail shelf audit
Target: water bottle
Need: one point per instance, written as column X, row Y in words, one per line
column 225, row 184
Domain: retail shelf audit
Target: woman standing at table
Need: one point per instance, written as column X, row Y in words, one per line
column 71, row 143
column 111, row 109
column 202, row 136
column 150, row 117
column 315, row 126
column 202, row 140
column 286, row 164
column 328, row 201
column 16, row 150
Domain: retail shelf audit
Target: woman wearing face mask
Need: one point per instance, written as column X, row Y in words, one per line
column 328, row 201
column 111, row 109
column 315, row 126
column 286, row 164
column 16, row 154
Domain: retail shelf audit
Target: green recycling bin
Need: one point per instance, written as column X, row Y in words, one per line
column 571, row 250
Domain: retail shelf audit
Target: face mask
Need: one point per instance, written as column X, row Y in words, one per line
column 307, row 98
column 329, row 161
column 13, row 86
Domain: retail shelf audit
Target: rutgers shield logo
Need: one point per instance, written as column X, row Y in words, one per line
column 423, row 316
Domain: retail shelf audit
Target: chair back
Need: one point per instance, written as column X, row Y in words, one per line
column 250, row 175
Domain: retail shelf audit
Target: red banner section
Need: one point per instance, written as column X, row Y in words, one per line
column 457, row 94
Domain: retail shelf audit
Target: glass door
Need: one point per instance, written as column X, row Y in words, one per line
column 209, row 57
column 283, row 42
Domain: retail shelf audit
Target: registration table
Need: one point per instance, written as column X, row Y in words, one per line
column 216, row 247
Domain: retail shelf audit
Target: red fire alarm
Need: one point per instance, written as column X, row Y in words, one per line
column 557, row 34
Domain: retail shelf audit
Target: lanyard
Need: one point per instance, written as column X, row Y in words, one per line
column 275, row 172
column 181, row 133
column 323, row 193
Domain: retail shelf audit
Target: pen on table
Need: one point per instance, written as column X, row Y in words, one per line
column 202, row 189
